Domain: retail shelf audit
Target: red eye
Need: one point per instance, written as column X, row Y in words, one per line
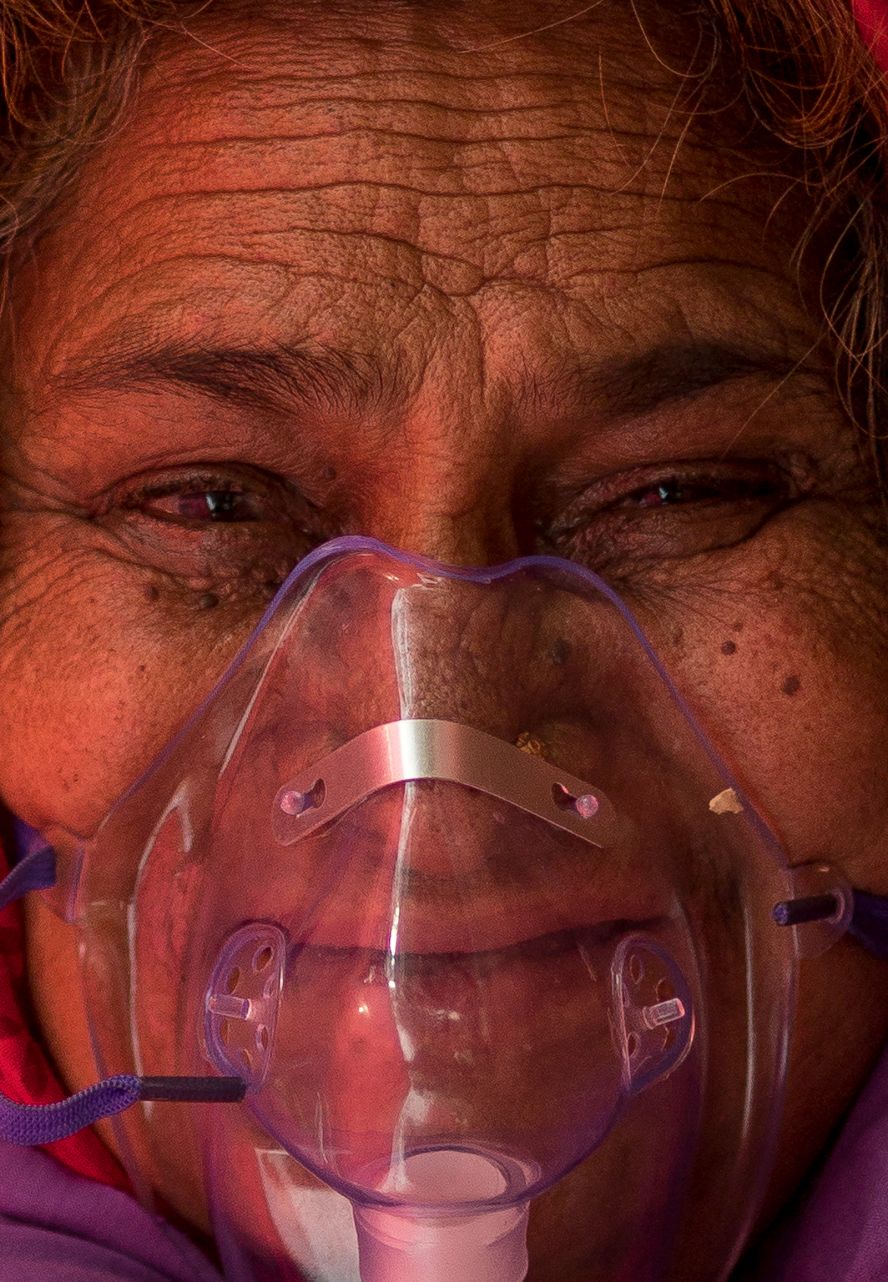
column 200, row 504
column 675, row 492
column 213, row 505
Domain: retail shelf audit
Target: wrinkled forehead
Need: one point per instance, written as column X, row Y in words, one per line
column 328, row 165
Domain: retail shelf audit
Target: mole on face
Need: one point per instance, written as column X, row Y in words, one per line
column 207, row 601
column 790, row 685
column 729, row 647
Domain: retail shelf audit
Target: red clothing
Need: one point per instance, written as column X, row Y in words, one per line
column 872, row 17
column 26, row 1074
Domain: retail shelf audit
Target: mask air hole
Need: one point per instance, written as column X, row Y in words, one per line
column 563, row 799
column 224, row 1031
column 636, row 969
column 232, row 979
column 668, row 1038
column 248, row 1060
column 664, row 991
column 318, row 793
column 262, row 959
column 631, row 1044
column 262, row 1038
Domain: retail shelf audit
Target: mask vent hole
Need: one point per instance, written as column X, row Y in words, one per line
column 631, row 1044
column 224, row 1032
column 262, row 959
column 262, row 1038
column 665, row 990
column 563, row 799
column 636, row 968
column 232, row 979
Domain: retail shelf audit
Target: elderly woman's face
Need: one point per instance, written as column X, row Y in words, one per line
column 337, row 275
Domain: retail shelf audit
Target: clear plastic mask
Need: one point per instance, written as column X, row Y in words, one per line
column 438, row 870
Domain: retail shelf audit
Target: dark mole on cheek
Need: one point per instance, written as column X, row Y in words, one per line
column 207, row 601
column 790, row 685
column 729, row 647
column 152, row 592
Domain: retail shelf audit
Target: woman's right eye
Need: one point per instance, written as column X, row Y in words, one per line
column 203, row 504
column 230, row 526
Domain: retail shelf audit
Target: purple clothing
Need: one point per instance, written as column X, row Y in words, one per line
column 840, row 1232
column 56, row 1226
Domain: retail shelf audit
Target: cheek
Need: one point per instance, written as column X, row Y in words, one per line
column 97, row 670
column 791, row 687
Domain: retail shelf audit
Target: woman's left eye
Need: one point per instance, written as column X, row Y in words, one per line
column 676, row 491
column 698, row 507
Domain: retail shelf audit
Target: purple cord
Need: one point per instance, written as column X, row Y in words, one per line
column 44, row 1123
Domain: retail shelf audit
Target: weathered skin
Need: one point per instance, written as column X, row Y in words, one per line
column 465, row 222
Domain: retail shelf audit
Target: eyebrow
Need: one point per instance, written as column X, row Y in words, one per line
column 281, row 377
column 635, row 385
column 252, row 376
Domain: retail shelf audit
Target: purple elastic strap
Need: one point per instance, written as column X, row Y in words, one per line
column 36, row 871
column 45, row 1123
column 869, row 922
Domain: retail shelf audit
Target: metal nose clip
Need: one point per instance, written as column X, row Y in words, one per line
column 401, row 751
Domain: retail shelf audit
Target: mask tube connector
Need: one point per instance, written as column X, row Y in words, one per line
column 820, row 909
column 430, row 1243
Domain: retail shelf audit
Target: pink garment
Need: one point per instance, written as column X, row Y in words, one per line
column 872, row 18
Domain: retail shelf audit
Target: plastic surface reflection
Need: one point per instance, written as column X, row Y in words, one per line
column 438, row 865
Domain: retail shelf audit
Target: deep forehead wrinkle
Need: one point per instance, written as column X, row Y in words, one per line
column 284, row 376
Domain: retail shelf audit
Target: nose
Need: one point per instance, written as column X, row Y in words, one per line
column 449, row 486
column 479, row 531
